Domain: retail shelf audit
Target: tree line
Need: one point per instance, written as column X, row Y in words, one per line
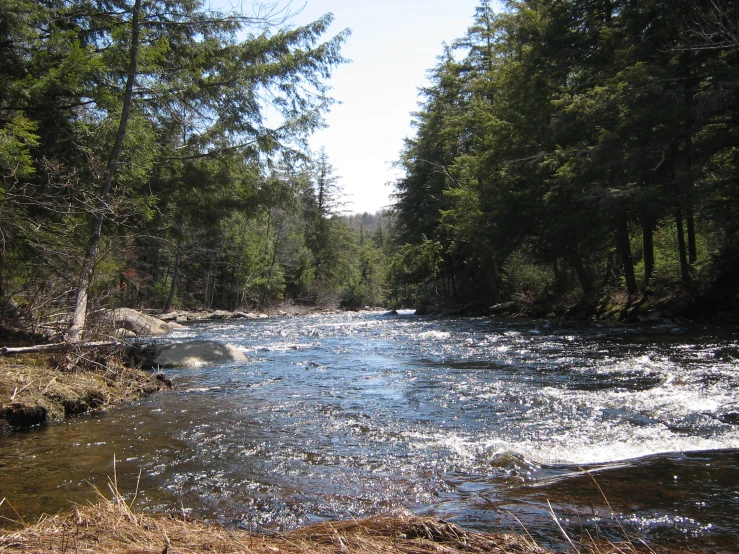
column 566, row 149
column 153, row 153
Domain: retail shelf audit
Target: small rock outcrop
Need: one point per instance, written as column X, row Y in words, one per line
column 195, row 353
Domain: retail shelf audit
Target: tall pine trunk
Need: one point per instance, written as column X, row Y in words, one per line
column 623, row 244
column 79, row 317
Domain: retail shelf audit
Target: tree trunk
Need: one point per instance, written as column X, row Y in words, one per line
column 2, row 263
column 175, row 276
column 492, row 278
column 692, row 248
column 684, row 272
column 560, row 277
column 623, row 244
column 582, row 274
column 93, row 245
column 647, row 226
column 607, row 12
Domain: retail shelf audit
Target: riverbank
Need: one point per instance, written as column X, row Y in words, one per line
column 113, row 527
column 719, row 307
column 40, row 387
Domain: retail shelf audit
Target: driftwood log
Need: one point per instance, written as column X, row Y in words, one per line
column 55, row 347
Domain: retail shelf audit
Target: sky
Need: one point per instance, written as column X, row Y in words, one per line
column 393, row 44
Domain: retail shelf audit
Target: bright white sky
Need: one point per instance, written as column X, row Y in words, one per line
column 393, row 44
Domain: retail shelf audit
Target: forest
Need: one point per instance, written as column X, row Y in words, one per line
column 154, row 154
column 570, row 151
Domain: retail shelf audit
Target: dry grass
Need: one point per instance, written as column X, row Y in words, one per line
column 112, row 527
column 53, row 386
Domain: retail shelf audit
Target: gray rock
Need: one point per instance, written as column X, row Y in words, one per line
column 171, row 316
column 219, row 314
column 122, row 333
column 196, row 353
column 139, row 323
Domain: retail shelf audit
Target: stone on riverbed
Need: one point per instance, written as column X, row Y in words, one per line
column 196, row 353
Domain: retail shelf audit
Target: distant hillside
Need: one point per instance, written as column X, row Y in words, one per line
column 369, row 222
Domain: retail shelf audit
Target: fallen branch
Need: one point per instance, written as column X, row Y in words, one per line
column 55, row 347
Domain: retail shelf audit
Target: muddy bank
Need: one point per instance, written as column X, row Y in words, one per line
column 42, row 387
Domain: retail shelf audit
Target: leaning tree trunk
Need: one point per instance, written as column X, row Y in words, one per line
column 93, row 245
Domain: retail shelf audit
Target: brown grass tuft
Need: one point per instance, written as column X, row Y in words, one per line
column 110, row 527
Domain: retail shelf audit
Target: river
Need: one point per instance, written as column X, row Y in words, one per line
column 484, row 422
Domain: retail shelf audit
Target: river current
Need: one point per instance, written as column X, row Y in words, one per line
column 484, row 422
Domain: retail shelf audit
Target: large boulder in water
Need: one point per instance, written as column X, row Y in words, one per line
column 196, row 353
column 138, row 322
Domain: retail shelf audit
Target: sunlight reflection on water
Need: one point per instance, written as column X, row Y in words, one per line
column 351, row 414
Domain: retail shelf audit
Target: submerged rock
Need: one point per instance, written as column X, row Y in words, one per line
column 196, row 353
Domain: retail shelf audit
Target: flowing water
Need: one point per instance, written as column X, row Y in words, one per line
column 472, row 420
